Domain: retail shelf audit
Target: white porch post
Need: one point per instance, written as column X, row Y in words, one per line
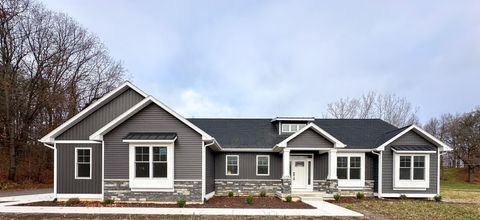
column 286, row 163
column 332, row 164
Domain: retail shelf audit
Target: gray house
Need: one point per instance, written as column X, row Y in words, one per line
column 129, row 146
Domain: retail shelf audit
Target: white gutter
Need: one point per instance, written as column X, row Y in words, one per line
column 49, row 146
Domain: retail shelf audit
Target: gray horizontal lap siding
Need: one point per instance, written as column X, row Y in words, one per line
column 410, row 138
column 188, row 146
column 309, row 139
column 101, row 116
column 210, row 170
column 66, row 182
column 247, row 166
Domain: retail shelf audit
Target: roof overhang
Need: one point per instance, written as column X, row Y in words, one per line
column 50, row 137
column 336, row 142
column 98, row 135
column 419, row 131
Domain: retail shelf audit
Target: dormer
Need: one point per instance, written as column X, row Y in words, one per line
column 290, row 125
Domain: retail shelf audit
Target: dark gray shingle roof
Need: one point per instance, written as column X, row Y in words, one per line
column 262, row 133
column 414, row 148
column 150, row 136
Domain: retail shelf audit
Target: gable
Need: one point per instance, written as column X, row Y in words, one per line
column 101, row 116
column 309, row 139
column 411, row 138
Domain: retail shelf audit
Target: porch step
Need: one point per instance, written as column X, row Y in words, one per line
column 310, row 195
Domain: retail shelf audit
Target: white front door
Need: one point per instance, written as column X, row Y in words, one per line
column 299, row 174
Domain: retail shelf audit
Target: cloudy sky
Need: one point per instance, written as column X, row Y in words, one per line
column 291, row 58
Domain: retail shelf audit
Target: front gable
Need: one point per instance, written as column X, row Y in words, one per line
column 310, row 139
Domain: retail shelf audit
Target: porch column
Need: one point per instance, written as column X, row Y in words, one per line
column 332, row 164
column 286, row 163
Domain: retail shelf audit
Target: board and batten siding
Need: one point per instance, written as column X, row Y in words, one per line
column 66, row 182
column 187, row 148
column 320, row 166
column 409, row 138
column 309, row 139
column 248, row 166
column 210, row 170
column 101, row 116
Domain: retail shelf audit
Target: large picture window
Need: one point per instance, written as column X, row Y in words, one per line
column 263, row 165
column 232, row 165
column 83, row 164
column 157, row 163
column 412, row 167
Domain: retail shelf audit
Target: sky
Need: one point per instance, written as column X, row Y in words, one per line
column 290, row 58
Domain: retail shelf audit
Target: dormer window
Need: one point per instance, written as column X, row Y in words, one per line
column 291, row 128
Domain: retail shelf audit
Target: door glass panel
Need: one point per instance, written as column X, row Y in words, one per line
column 299, row 164
column 309, row 172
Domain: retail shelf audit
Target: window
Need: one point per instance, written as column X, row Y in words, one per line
column 151, row 166
column 83, row 165
column 159, row 162
column 232, row 165
column 344, row 171
column 411, row 171
column 292, row 127
column 263, row 165
column 351, row 170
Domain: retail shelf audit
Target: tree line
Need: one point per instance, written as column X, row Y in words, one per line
column 50, row 68
column 459, row 131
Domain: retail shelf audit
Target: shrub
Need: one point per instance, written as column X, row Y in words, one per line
column 230, row 194
column 349, row 206
column 337, row 196
column 108, row 201
column 249, row 199
column 263, row 193
column 288, row 198
column 438, row 198
column 181, row 203
column 72, row 201
column 403, row 197
column 360, row 195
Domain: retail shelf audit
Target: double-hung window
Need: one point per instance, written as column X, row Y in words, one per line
column 411, row 171
column 151, row 167
column 350, row 168
column 263, row 165
column 232, row 165
column 83, row 163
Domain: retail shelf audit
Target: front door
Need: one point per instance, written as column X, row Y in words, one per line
column 299, row 174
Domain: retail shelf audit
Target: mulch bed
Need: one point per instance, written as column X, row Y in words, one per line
column 215, row 202
column 352, row 199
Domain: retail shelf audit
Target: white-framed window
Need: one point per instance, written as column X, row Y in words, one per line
column 232, row 165
column 411, row 171
column 151, row 167
column 291, row 128
column 351, row 170
column 263, row 165
column 83, row 163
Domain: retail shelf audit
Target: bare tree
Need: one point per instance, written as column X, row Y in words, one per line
column 51, row 67
column 391, row 108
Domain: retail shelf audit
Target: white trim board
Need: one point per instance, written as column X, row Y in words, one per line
column 50, row 137
column 268, row 164
column 98, row 135
column 420, row 132
column 80, row 196
column 408, row 195
column 336, row 142
column 89, row 163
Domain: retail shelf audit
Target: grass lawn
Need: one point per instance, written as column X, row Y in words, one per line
column 454, row 188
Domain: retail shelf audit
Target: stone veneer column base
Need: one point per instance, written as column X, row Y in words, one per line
column 119, row 190
column 246, row 187
column 286, row 187
column 331, row 186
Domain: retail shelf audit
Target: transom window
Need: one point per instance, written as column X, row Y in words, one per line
column 151, row 166
column 412, row 167
column 83, row 166
column 349, row 168
column 232, row 165
column 292, row 127
column 263, row 165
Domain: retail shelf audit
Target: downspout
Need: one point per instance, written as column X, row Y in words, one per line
column 379, row 175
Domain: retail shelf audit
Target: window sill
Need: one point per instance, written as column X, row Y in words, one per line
column 152, row 189
column 409, row 189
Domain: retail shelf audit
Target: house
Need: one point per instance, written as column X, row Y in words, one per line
column 129, row 146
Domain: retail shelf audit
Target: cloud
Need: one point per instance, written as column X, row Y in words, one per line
column 194, row 104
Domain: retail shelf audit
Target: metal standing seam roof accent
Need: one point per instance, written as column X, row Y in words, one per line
column 150, row 136
column 263, row 133
column 414, row 148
